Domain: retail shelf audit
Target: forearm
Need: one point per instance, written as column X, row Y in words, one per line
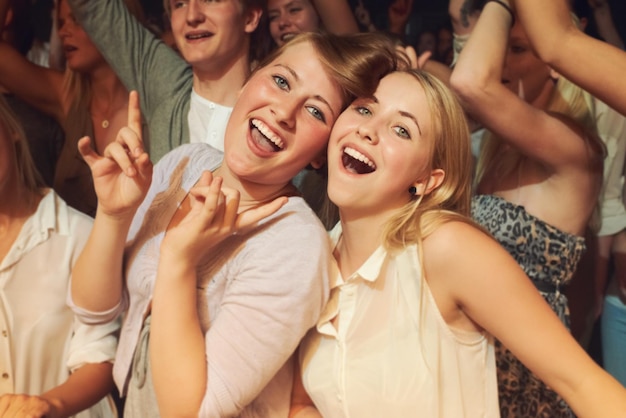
column 85, row 387
column 97, row 277
column 336, row 16
column 598, row 395
column 479, row 66
column 177, row 346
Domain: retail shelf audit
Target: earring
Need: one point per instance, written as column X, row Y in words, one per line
column 412, row 190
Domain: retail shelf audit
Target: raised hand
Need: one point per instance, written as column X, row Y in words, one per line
column 213, row 216
column 122, row 175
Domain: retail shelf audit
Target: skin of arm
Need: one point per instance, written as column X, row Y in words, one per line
column 81, row 390
column 121, row 179
column 483, row 284
column 560, row 44
column 301, row 403
column 476, row 79
column 38, row 86
column 336, row 16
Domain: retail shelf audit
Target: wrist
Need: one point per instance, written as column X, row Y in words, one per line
column 506, row 5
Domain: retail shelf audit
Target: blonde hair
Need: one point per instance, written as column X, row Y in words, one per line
column 28, row 175
column 451, row 153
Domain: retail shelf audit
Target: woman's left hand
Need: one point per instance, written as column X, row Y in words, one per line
column 213, row 216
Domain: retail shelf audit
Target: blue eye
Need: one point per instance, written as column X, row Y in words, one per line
column 402, row 132
column 363, row 110
column 281, row 82
column 318, row 114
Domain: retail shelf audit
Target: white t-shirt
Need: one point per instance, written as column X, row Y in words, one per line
column 207, row 121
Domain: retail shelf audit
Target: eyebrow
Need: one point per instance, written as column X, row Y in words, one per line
column 404, row 114
column 317, row 97
column 413, row 118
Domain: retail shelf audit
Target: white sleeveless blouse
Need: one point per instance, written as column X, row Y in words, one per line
column 392, row 354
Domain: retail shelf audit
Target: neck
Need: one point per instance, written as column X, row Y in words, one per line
column 361, row 236
column 253, row 194
column 221, row 85
column 107, row 90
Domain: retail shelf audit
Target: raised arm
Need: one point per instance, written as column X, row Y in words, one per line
column 477, row 78
column 122, row 177
column 559, row 43
column 141, row 61
column 336, row 16
column 38, row 86
column 491, row 289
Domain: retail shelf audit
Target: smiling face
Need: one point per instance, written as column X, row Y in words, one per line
column 212, row 34
column 381, row 146
column 524, row 73
column 81, row 54
column 290, row 17
column 282, row 119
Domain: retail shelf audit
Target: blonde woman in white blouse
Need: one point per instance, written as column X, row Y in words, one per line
column 420, row 290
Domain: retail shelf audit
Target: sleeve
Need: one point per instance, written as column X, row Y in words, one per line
column 93, row 343
column 141, row 61
column 89, row 343
column 276, row 296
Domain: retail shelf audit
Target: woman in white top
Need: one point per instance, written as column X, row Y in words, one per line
column 420, row 289
column 50, row 364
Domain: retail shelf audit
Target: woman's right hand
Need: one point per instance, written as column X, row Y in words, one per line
column 122, row 175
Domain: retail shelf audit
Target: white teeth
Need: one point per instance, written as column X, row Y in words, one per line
column 267, row 132
column 358, row 156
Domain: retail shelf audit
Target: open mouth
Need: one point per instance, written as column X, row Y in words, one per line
column 357, row 163
column 196, row 36
column 69, row 48
column 264, row 137
column 288, row 36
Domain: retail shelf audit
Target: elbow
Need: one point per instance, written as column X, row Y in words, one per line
column 467, row 87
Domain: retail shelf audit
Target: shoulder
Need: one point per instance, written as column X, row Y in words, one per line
column 191, row 158
column 456, row 244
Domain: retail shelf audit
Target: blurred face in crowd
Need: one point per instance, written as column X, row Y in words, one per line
column 81, row 54
column 524, row 73
column 290, row 17
column 212, row 34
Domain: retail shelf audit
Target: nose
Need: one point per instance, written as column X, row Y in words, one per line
column 283, row 21
column 367, row 131
column 194, row 12
column 285, row 112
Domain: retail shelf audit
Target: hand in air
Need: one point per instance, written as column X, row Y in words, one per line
column 416, row 62
column 213, row 216
column 20, row 406
column 122, row 175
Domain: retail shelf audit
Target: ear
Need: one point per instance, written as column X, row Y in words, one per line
column 554, row 75
column 427, row 185
column 319, row 161
column 253, row 19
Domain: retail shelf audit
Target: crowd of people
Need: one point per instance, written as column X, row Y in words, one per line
column 279, row 208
